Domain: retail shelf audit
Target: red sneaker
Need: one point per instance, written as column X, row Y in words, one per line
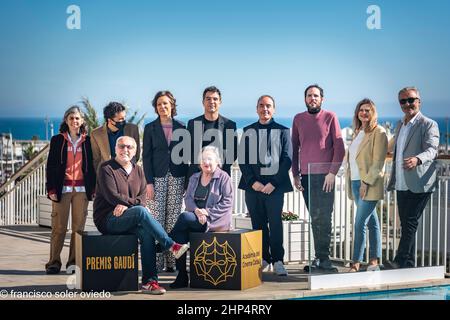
column 178, row 249
column 153, row 287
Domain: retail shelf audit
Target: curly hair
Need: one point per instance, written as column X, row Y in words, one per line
column 111, row 109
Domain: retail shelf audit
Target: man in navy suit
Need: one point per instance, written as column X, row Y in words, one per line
column 265, row 157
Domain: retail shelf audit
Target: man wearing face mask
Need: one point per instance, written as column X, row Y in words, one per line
column 104, row 138
column 317, row 141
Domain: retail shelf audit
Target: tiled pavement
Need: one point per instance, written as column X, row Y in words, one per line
column 24, row 251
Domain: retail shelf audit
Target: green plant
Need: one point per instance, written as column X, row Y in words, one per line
column 289, row 216
column 29, row 152
column 132, row 118
column 91, row 117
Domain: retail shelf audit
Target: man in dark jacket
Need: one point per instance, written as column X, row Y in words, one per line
column 265, row 155
column 211, row 128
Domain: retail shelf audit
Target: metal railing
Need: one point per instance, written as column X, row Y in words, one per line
column 432, row 238
column 19, row 205
column 19, row 195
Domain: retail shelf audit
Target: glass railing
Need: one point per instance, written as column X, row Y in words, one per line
column 355, row 224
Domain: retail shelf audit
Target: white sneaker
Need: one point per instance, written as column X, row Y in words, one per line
column 153, row 287
column 373, row 268
column 278, row 269
column 179, row 249
column 266, row 267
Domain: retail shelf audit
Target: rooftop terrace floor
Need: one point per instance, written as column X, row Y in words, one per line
column 24, row 252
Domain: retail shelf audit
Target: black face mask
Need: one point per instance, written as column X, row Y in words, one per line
column 313, row 110
column 120, row 124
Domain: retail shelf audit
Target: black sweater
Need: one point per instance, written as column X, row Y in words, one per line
column 224, row 125
column 280, row 150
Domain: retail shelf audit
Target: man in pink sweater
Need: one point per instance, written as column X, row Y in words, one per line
column 318, row 151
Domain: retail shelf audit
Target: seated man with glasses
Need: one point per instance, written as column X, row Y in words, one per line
column 208, row 200
column 413, row 175
column 119, row 208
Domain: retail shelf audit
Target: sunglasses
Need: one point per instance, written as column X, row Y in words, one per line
column 409, row 100
column 123, row 146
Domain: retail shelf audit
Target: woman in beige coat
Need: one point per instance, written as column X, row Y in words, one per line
column 365, row 181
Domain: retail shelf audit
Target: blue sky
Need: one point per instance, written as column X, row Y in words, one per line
column 128, row 50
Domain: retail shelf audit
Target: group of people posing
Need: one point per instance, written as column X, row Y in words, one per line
column 193, row 163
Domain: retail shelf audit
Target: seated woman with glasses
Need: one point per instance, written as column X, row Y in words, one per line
column 208, row 200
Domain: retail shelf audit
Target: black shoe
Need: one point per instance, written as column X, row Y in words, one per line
column 391, row 265
column 312, row 267
column 182, row 281
column 325, row 265
column 170, row 269
column 53, row 269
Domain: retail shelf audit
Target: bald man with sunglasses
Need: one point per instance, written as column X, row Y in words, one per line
column 413, row 174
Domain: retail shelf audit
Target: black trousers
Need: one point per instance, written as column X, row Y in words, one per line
column 265, row 213
column 320, row 206
column 410, row 209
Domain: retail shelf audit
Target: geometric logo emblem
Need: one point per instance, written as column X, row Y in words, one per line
column 215, row 262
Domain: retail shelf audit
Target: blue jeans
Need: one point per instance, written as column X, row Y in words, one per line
column 138, row 221
column 187, row 222
column 366, row 215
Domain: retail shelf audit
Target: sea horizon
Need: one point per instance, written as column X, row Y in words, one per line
column 24, row 128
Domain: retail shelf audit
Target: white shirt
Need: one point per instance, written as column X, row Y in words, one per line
column 68, row 189
column 400, row 182
column 352, row 152
column 128, row 169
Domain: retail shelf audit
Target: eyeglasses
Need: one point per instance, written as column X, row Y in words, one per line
column 409, row 100
column 123, row 146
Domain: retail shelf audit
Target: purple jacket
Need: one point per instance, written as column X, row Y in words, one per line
column 220, row 200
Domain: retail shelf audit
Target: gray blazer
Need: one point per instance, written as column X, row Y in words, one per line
column 422, row 142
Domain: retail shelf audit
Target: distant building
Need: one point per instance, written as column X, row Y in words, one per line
column 15, row 153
